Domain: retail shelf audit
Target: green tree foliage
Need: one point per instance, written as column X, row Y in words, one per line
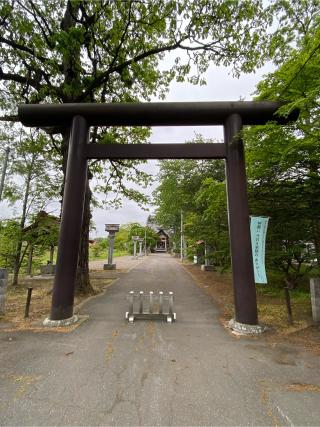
column 85, row 51
column 99, row 248
column 185, row 177
column 43, row 230
column 197, row 189
column 32, row 181
column 121, row 243
column 280, row 186
column 32, row 176
column 284, row 162
column 38, row 239
column 10, row 235
column 211, row 220
column 109, row 51
column 297, row 20
column 123, row 240
column 136, row 229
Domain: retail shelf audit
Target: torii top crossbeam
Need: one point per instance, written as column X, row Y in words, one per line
column 152, row 113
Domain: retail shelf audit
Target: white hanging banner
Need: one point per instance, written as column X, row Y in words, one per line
column 258, row 229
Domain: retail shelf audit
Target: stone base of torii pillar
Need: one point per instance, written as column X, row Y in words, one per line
column 109, row 266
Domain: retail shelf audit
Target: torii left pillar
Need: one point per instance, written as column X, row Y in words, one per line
column 70, row 228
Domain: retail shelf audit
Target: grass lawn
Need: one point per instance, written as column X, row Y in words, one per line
column 41, row 293
column 101, row 256
column 40, row 301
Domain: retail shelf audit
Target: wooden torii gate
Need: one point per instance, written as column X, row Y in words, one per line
column 231, row 115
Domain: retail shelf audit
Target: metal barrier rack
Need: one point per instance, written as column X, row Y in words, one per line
column 150, row 306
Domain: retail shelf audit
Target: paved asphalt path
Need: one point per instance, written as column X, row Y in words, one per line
column 191, row 373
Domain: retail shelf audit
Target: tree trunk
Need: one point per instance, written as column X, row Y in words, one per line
column 72, row 78
column 83, row 285
column 18, row 259
column 29, row 268
column 16, row 266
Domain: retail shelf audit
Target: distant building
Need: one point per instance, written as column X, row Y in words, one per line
column 162, row 244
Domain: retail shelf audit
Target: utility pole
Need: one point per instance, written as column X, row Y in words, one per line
column 4, row 170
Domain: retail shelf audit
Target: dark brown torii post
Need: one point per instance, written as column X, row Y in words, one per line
column 231, row 115
column 71, row 221
column 239, row 226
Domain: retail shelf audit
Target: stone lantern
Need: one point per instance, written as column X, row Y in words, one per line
column 206, row 266
column 112, row 229
column 141, row 240
column 135, row 239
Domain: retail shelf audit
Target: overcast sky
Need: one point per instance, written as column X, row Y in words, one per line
column 221, row 86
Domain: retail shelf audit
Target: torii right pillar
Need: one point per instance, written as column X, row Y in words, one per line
column 245, row 300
